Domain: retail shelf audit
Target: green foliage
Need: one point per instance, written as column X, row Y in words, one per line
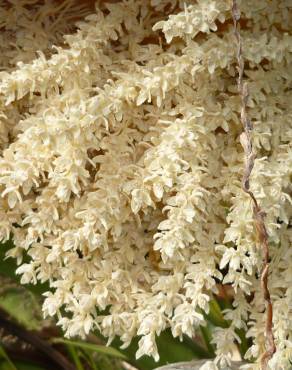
column 23, row 305
column 8, row 267
column 20, row 365
column 170, row 350
column 97, row 357
column 109, row 351
column 5, row 362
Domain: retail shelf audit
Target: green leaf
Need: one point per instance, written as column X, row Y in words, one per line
column 101, row 362
column 20, row 365
column 23, row 306
column 6, row 366
column 74, row 355
column 109, row 351
column 170, row 350
column 8, row 267
column 215, row 315
column 5, row 362
column 244, row 342
column 90, row 360
column 207, row 335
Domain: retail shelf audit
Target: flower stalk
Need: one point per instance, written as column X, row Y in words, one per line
column 258, row 213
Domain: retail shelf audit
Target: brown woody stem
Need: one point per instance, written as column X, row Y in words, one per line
column 32, row 338
column 258, row 213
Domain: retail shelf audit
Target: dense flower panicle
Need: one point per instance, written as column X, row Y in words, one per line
column 121, row 163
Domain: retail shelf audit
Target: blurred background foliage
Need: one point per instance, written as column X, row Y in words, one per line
column 28, row 342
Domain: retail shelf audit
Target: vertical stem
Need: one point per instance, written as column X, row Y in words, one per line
column 258, row 213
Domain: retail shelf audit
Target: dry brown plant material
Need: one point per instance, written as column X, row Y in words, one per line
column 258, row 213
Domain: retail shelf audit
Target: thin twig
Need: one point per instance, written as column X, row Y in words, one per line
column 32, row 338
column 258, row 213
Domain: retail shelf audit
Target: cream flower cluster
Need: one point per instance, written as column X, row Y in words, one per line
column 121, row 165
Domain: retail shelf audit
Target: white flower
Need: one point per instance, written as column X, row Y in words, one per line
column 121, row 166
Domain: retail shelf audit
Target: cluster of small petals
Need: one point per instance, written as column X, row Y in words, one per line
column 195, row 18
column 121, row 165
